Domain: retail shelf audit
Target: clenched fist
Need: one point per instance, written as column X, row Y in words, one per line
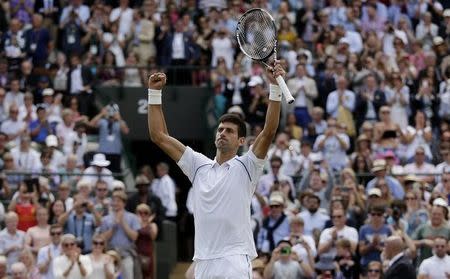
column 157, row 81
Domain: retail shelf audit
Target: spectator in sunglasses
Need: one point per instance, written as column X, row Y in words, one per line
column 47, row 253
column 146, row 237
column 102, row 264
column 437, row 266
column 374, row 270
column 71, row 264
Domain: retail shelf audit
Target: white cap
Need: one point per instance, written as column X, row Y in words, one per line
column 51, row 140
column 438, row 40
column 402, row 36
column 255, row 80
column 446, row 13
column 117, row 184
column 236, row 109
column 344, row 40
column 440, row 202
column 100, row 160
column 276, row 198
column 108, row 37
column 374, row 192
column 48, row 92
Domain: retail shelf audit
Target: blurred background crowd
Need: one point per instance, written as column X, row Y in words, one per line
column 357, row 180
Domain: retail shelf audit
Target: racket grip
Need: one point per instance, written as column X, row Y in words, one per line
column 287, row 94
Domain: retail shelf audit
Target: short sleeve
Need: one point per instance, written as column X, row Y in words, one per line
column 105, row 224
column 190, row 161
column 42, row 255
column 253, row 164
column 423, row 268
column 324, row 236
column 135, row 225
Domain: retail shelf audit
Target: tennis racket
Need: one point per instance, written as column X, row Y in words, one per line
column 256, row 34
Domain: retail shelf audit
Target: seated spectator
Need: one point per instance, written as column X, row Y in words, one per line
column 12, row 240
column 39, row 235
column 27, row 258
column 420, row 166
column 117, row 262
column 27, row 112
column 84, row 188
column 26, row 158
column 379, row 169
column 41, row 127
column 81, row 221
column 71, row 264
column 164, row 188
column 47, row 253
column 57, row 208
column 19, row 270
column 267, row 180
column 120, row 229
column 346, row 259
column 302, row 245
column 9, row 168
column 145, row 240
column 57, row 158
column 415, row 214
column 320, row 183
column 72, row 170
column 63, row 193
column 274, row 227
column 48, row 170
column 102, row 264
column 98, row 171
column 284, row 264
column 288, row 150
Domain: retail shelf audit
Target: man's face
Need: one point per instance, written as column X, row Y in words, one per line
column 338, row 217
column 55, row 235
column 227, row 138
column 11, row 223
column 15, row 85
column 440, row 247
column 117, row 204
column 69, row 246
column 420, row 157
column 276, row 210
column 376, row 217
column 313, row 204
column 275, row 166
column 437, row 216
column 42, row 216
column 101, row 190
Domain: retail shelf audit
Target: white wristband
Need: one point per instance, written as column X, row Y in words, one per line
column 275, row 93
column 154, row 97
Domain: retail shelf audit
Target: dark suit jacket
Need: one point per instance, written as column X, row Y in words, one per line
column 402, row 268
column 86, row 76
column 379, row 100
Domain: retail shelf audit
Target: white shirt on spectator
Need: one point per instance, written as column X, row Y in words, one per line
column 12, row 127
column 7, row 241
column 125, row 18
column 165, row 189
column 300, row 250
column 346, row 232
column 291, row 159
column 425, row 168
column 13, row 98
column 92, row 176
column 66, row 136
column 26, row 160
column 266, row 181
column 62, row 263
column 82, row 11
column 76, row 85
column 355, row 40
column 222, row 47
column 332, row 150
column 315, row 221
column 42, row 258
column 178, row 46
column 435, row 267
column 23, row 112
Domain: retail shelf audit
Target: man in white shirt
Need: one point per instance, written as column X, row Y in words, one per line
column 26, row 158
column 82, row 11
column 98, row 171
column 329, row 236
column 266, row 181
column 70, row 264
column 340, row 96
column 420, row 166
column 14, row 96
column 223, row 187
column 438, row 266
column 312, row 216
column 12, row 241
column 165, row 189
column 47, row 253
column 124, row 15
column 12, row 126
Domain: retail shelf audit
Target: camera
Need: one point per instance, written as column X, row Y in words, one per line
column 285, row 250
column 112, row 109
column 84, row 204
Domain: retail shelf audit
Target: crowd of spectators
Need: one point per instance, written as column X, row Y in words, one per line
column 358, row 178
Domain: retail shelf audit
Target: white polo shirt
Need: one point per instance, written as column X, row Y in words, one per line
column 435, row 267
column 222, row 196
column 346, row 232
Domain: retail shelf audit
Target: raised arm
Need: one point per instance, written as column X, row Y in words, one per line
column 157, row 124
column 265, row 138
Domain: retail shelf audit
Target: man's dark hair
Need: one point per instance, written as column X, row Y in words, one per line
column 235, row 119
column 378, row 208
column 275, row 158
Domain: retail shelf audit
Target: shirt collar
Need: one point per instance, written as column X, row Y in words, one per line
column 224, row 164
column 395, row 258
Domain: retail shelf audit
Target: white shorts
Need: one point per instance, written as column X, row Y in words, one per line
column 230, row 267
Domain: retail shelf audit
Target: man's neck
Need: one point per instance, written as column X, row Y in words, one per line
column 223, row 157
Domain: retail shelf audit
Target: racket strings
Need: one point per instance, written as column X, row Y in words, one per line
column 257, row 35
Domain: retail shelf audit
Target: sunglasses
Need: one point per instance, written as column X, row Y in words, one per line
column 374, row 271
column 376, row 214
column 143, row 212
column 98, row 243
column 69, row 244
column 102, row 189
column 275, row 206
column 440, row 246
column 55, row 233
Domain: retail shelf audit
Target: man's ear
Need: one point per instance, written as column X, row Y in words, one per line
column 241, row 141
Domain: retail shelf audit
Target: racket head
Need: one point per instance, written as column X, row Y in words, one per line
column 256, row 34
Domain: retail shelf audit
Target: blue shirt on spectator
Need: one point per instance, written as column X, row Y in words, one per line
column 366, row 235
column 110, row 141
column 43, row 132
column 82, row 228
column 119, row 239
column 396, row 188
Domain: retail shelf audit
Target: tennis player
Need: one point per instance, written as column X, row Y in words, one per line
column 223, row 187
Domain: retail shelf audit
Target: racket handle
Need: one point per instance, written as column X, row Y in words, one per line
column 287, row 94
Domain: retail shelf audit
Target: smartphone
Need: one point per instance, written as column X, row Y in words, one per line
column 30, row 186
column 285, row 250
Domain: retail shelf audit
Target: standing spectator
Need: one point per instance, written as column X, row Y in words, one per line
column 41, row 127
column 303, row 245
column 70, row 264
column 398, row 98
column 47, row 253
column 333, row 145
column 340, row 97
column 81, row 221
column 39, row 235
column 312, row 216
column 71, row 35
column 273, row 176
column 124, row 16
column 437, row 266
column 145, row 241
column 165, row 189
column 14, row 96
column 275, row 227
column 305, row 91
column 372, row 236
column 101, row 200
column 425, row 234
column 25, row 158
column 120, row 229
column 38, row 41
column 111, row 126
column 420, row 166
column 102, row 264
column 76, row 6
column 79, row 83
column 12, row 240
column 98, row 171
column 25, row 206
column 222, row 46
column 379, row 169
column 22, row 10
column 426, row 30
column 399, row 265
column 369, row 101
column 418, row 135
